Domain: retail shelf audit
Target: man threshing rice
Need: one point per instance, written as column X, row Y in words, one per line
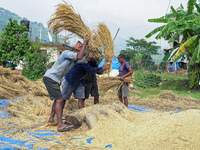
column 124, row 71
column 73, row 81
column 53, row 76
column 90, row 82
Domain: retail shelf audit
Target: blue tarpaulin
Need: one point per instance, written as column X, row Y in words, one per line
column 115, row 63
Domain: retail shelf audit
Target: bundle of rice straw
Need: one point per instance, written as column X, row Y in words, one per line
column 107, row 83
column 65, row 18
column 105, row 39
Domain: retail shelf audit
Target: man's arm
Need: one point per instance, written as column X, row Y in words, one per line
column 90, row 69
column 82, row 50
column 83, row 60
column 130, row 72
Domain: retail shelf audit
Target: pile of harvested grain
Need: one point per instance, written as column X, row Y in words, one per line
column 167, row 100
column 14, row 85
column 36, row 103
column 181, row 71
column 65, row 18
column 107, row 83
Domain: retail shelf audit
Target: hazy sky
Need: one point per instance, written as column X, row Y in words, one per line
column 129, row 15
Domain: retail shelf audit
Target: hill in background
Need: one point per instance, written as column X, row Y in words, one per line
column 34, row 26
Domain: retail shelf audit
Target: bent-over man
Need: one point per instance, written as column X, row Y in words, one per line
column 53, row 76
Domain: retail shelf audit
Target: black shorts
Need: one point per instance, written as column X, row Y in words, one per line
column 91, row 87
column 53, row 88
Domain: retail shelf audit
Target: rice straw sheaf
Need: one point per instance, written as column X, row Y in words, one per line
column 65, row 18
column 107, row 83
column 105, row 39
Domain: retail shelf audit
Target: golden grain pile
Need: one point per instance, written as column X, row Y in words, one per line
column 14, row 85
column 167, row 101
column 36, row 103
column 105, row 39
column 66, row 19
column 107, row 83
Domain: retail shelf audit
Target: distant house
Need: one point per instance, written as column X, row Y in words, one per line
column 54, row 49
column 181, row 63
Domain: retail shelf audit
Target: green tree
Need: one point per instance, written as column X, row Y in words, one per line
column 186, row 23
column 15, row 43
column 138, row 52
column 35, row 63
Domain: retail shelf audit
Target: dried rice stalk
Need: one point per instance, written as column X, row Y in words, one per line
column 65, row 18
column 105, row 39
column 107, row 83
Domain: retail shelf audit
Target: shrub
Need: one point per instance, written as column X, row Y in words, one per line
column 146, row 80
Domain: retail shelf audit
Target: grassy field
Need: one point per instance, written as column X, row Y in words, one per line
column 176, row 83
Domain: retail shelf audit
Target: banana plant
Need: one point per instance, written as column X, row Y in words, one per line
column 186, row 23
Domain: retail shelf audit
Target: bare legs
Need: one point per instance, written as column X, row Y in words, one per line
column 81, row 103
column 57, row 108
column 125, row 100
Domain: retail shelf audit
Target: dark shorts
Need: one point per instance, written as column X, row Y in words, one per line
column 91, row 88
column 123, row 91
column 68, row 89
column 53, row 88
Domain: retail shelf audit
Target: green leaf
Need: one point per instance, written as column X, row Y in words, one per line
column 191, row 4
column 196, row 21
column 174, row 36
column 160, row 20
column 184, row 27
column 154, row 31
column 198, row 8
column 188, row 19
column 194, row 56
column 175, row 13
column 182, row 8
column 164, row 32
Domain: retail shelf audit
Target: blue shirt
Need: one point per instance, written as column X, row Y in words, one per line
column 62, row 65
column 76, row 74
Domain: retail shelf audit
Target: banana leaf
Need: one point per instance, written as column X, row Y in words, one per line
column 166, row 29
column 188, row 42
column 160, row 20
column 190, row 7
column 154, row 31
column 184, row 27
column 194, row 56
column 188, row 18
column 196, row 21
column 198, row 8
column 174, row 36
column 180, row 56
column 178, row 17
column 167, row 57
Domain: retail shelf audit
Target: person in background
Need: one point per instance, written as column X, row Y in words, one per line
column 53, row 76
column 90, row 82
column 73, row 82
column 124, row 71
